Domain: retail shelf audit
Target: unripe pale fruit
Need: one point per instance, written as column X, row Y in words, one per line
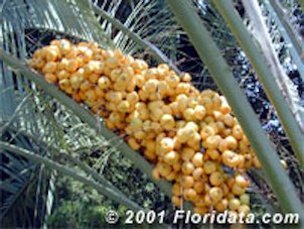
column 234, row 204
column 245, row 199
column 243, row 209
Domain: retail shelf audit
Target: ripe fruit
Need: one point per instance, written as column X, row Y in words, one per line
column 198, row 159
column 216, row 194
column 187, row 168
column 187, row 135
column 171, row 158
column 216, row 178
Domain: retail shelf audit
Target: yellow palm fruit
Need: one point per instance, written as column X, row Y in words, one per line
column 189, row 114
column 171, row 157
column 64, row 84
column 139, row 135
column 230, row 158
column 151, row 156
column 164, row 169
column 151, row 73
column 50, row 78
column 241, row 180
column 139, row 65
column 199, row 112
column 150, row 86
column 171, row 176
column 166, row 145
column 176, row 201
column 187, row 153
column 207, row 131
column 183, row 88
column 216, row 178
column 64, row 46
column 86, row 85
column 187, row 181
column 155, row 105
column 198, row 159
column 207, row 103
column 156, row 173
column 225, row 108
column 172, row 80
column 237, row 132
column 140, row 80
column 237, row 189
column 223, row 145
column 229, row 120
column 63, row 74
column 162, row 89
column 222, row 205
column 195, row 141
column 213, row 154
column 187, row 168
column 77, row 79
column 176, row 189
column 216, row 194
column 177, row 167
column 232, row 143
column 243, row 209
column 52, row 53
column 134, row 145
column 123, row 106
column 38, row 63
column 190, row 194
column 209, row 167
column 114, row 74
column 50, row 67
column 156, row 114
column 182, row 102
column 245, row 199
column 212, row 142
column 198, row 173
column 207, row 200
column 167, row 122
column 136, row 124
column 225, row 188
column 72, row 65
column 150, row 145
column 186, row 77
column 234, row 204
column 198, row 186
column 114, row 96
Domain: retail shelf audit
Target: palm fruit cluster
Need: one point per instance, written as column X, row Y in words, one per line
column 191, row 137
